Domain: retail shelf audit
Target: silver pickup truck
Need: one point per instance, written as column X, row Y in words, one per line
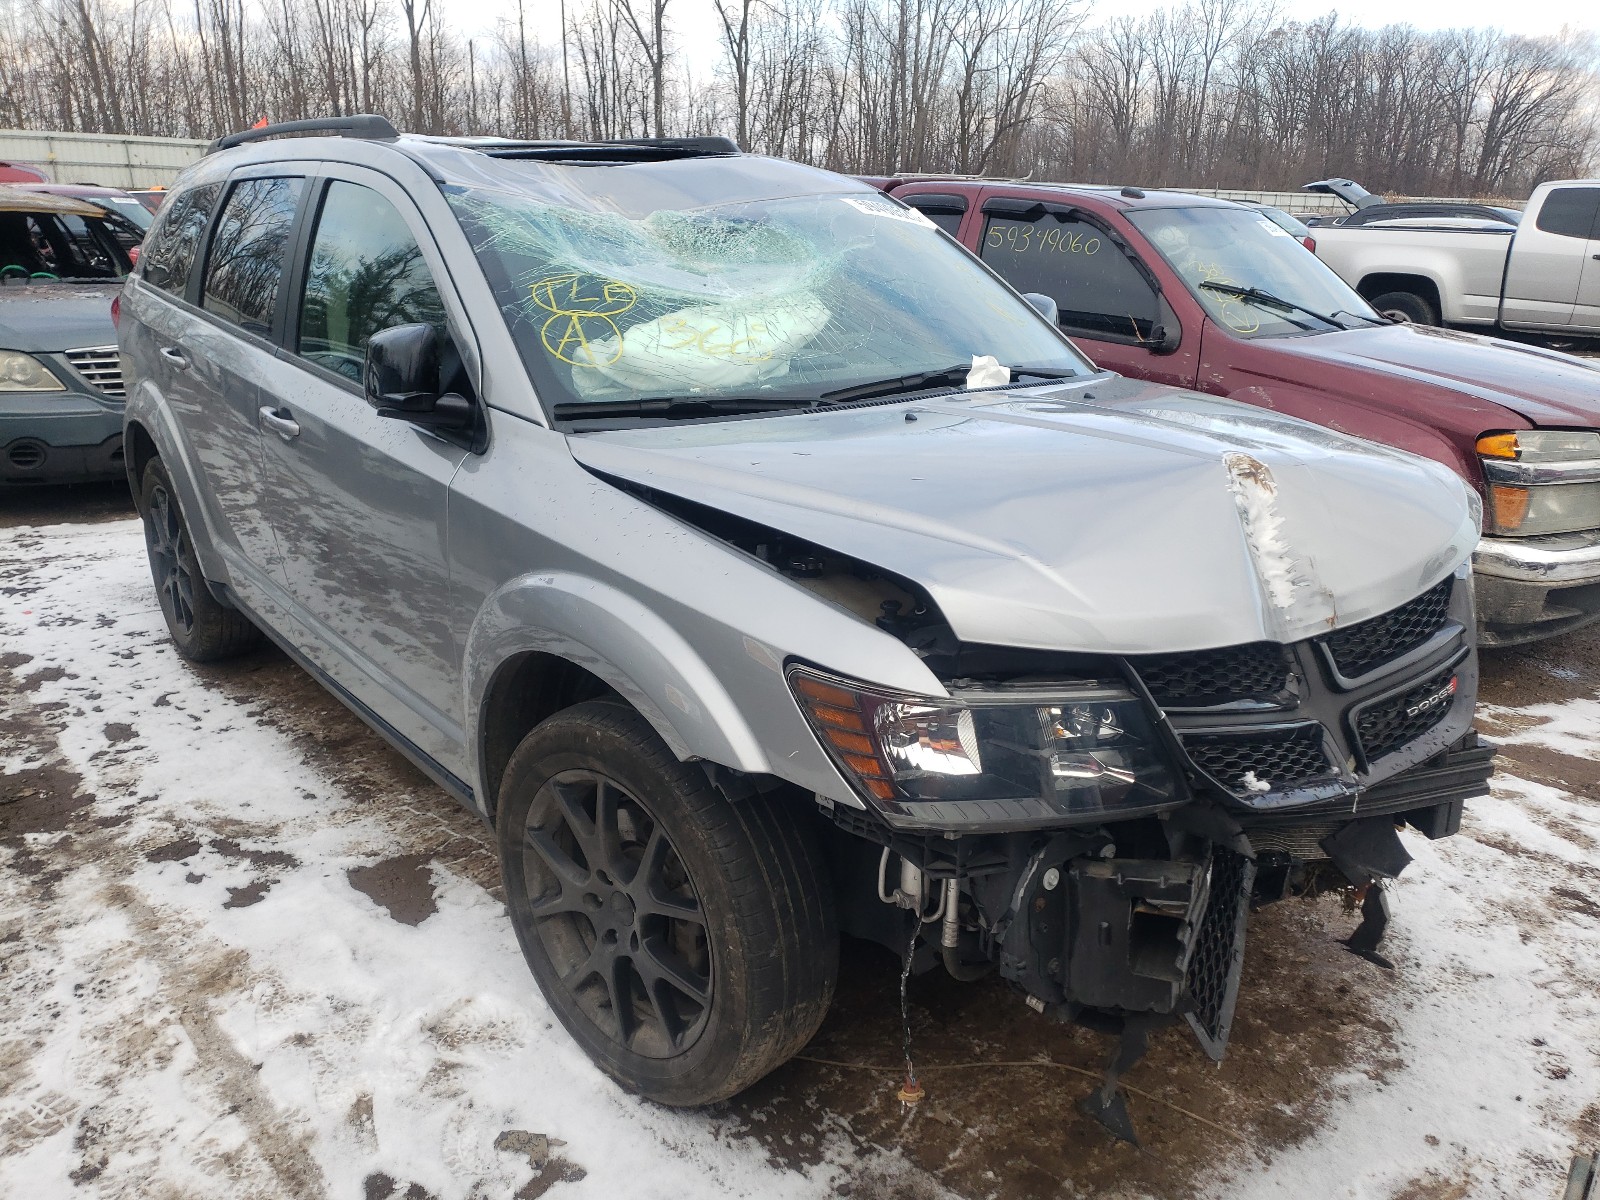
column 1540, row 274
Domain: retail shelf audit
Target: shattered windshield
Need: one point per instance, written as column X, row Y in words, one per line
column 1236, row 250
column 765, row 300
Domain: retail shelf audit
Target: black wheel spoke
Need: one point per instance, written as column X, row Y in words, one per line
column 607, row 837
column 568, row 872
column 570, row 797
column 651, row 891
column 658, row 963
column 618, row 975
column 567, row 900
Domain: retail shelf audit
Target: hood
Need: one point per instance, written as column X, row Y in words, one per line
column 1107, row 516
column 1486, row 378
column 43, row 318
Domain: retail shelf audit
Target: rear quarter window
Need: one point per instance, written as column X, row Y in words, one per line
column 170, row 250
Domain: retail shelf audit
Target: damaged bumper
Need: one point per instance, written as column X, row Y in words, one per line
column 1294, row 767
column 1536, row 587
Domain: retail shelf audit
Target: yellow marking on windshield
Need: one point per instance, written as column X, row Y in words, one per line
column 581, row 309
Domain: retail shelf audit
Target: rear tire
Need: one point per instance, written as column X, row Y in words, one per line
column 687, row 942
column 202, row 628
column 1405, row 306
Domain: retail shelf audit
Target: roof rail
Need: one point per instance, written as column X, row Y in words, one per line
column 362, row 125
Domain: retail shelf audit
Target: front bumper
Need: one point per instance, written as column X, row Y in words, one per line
column 1536, row 587
column 55, row 437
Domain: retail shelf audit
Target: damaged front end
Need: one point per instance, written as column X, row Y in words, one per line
column 1097, row 831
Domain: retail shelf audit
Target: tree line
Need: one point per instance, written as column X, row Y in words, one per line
column 1206, row 93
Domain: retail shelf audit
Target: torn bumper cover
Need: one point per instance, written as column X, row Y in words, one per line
column 1304, row 760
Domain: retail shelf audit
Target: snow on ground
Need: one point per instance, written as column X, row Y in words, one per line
column 160, row 1043
column 198, row 1003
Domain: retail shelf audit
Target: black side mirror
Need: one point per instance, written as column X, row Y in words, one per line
column 1167, row 334
column 1044, row 305
column 402, row 379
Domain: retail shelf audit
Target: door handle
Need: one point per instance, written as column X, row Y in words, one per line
column 176, row 356
column 285, row 427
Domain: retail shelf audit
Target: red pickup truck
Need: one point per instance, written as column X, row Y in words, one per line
column 1211, row 295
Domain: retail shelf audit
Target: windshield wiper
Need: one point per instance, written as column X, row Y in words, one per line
column 676, row 407
column 924, row 379
column 1261, row 297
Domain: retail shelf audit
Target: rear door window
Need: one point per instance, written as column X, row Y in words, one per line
column 1099, row 292
column 1571, row 212
column 245, row 265
column 366, row 274
column 169, row 252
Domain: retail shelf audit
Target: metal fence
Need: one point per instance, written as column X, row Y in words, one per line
column 105, row 159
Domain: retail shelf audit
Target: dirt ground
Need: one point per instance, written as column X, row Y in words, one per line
column 1310, row 1016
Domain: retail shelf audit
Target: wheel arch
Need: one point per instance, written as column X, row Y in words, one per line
column 1425, row 286
column 525, row 690
column 543, row 642
column 138, row 449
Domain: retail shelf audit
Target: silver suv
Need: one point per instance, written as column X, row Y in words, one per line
column 762, row 568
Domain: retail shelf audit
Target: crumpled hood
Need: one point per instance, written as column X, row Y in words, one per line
column 1485, row 376
column 1142, row 519
column 42, row 318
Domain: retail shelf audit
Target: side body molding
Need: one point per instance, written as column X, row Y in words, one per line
column 649, row 663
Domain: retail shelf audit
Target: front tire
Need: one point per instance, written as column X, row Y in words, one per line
column 202, row 628
column 687, row 942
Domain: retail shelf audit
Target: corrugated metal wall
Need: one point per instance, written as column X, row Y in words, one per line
column 105, row 159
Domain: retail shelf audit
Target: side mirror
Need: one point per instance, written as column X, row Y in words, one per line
column 1045, row 306
column 401, row 379
column 402, row 371
column 1167, row 334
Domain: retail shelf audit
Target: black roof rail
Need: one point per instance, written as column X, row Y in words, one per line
column 361, row 125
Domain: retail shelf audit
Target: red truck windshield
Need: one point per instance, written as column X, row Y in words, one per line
column 1237, row 249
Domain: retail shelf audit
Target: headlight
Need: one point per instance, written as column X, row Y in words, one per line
column 1541, row 481
column 1079, row 752
column 23, row 373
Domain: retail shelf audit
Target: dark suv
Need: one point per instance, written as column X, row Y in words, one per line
column 62, row 263
column 761, row 566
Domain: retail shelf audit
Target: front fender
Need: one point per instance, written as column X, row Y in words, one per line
column 647, row 661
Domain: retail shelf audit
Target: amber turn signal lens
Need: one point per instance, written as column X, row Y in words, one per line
column 836, row 715
column 1509, row 505
column 816, row 689
column 852, row 743
column 1498, row 445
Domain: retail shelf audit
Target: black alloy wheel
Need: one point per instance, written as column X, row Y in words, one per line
column 202, row 627
column 688, row 942
column 172, row 560
column 616, row 912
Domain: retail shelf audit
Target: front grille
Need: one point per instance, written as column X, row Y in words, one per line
column 1203, row 678
column 1303, row 843
column 1213, row 980
column 100, row 366
column 1383, row 638
column 1390, row 724
column 1279, row 758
